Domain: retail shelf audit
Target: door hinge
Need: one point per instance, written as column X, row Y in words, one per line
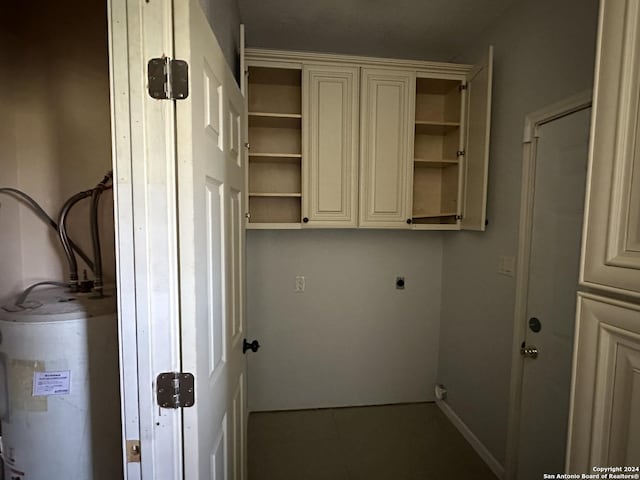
column 168, row 79
column 175, row 390
column 133, row 451
column 460, row 153
column 462, row 86
column 459, row 217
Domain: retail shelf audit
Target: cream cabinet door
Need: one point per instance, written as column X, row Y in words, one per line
column 386, row 148
column 476, row 158
column 611, row 253
column 330, row 159
column 604, row 425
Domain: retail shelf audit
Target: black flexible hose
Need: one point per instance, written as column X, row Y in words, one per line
column 95, row 232
column 44, row 216
column 64, row 237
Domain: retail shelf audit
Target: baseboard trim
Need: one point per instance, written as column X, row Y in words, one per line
column 477, row 445
column 338, row 407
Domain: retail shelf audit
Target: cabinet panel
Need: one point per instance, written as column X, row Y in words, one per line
column 386, row 148
column 274, row 177
column 330, row 162
column 437, row 141
column 605, row 416
column 611, row 255
column 476, row 157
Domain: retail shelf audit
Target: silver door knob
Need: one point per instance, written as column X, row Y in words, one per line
column 529, row 352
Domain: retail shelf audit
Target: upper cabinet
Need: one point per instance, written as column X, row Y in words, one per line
column 611, row 248
column 438, row 145
column 330, row 173
column 365, row 142
column 275, row 146
column 385, row 148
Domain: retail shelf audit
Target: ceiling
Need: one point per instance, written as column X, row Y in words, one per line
column 417, row 29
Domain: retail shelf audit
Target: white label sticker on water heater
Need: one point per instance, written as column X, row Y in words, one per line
column 51, row 383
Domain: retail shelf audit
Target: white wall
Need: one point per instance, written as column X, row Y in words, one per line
column 55, row 139
column 426, row 30
column 351, row 338
column 544, row 52
column 224, row 18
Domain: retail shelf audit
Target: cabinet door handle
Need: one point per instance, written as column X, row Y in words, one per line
column 253, row 346
column 409, row 221
column 305, row 220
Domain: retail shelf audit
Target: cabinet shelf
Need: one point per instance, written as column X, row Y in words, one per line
column 275, row 115
column 275, row 157
column 275, row 120
column 432, row 163
column 274, row 225
column 435, row 128
column 435, row 215
column 274, row 90
column 275, row 195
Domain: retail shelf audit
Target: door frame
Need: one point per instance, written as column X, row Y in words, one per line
column 144, row 166
column 533, row 122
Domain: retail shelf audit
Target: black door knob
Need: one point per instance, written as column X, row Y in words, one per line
column 409, row 221
column 305, row 220
column 253, row 346
column 535, row 325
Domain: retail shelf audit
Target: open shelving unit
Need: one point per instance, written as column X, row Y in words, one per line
column 275, row 154
column 436, row 164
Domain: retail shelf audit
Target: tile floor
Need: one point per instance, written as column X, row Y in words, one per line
column 394, row 442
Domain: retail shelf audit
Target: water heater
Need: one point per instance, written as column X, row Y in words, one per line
column 59, row 388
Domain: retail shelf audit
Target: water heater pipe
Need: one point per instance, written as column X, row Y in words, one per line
column 95, row 232
column 64, row 237
column 44, row 216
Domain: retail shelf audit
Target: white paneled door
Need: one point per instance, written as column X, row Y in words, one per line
column 560, row 174
column 211, row 173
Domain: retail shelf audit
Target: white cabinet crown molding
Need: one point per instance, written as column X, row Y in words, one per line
column 435, row 69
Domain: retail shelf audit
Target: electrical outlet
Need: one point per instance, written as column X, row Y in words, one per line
column 506, row 266
column 299, row 284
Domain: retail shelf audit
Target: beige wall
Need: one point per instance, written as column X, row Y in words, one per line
column 56, row 140
column 544, row 52
column 10, row 235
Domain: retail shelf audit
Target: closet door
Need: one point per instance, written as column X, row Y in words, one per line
column 611, row 253
column 386, row 148
column 330, row 159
